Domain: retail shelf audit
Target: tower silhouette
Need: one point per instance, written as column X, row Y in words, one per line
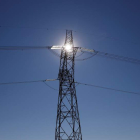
column 67, row 122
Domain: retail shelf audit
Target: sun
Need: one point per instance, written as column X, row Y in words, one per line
column 68, row 47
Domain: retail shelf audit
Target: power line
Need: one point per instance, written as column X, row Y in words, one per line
column 47, row 28
column 55, row 53
column 118, row 57
column 28, row 48
column 50, row 86
column 25, row 82
column 86, row 57
column 108, row 88
column 78, row 83
column 79, row 55
column 112, row 56
column 24, row 47
column 23, row 27
column 109, row 37
column 99, row 53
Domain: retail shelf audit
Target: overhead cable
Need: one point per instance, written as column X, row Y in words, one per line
column 47, row 28
column 99, row 53
column 86, row 57
column 118, row 57
column 23, row 27
column 107, row 88
column 24, row 82
column 108, row 55
column 55, row 53
column 78, row 83
column 24, row 47
column 50, row 86
column 91, row 34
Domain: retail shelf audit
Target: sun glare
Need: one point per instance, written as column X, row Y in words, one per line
column 68, row 47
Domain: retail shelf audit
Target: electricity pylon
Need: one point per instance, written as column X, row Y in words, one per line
column 67, row 122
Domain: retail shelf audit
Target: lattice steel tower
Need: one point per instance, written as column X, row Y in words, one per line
column 68, row 121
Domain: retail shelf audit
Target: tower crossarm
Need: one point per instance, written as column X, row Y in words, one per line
column 86, row 50
column 78, row 49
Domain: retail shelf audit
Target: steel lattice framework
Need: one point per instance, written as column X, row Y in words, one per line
column 67, row 122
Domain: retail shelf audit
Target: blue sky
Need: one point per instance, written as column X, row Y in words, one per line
column 28, row 111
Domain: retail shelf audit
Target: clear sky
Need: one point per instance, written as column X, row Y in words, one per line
column 28, row 111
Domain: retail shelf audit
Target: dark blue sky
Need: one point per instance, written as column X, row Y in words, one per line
column 28, row 111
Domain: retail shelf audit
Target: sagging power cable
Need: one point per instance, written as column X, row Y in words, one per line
column 25, row 82
column 107, row 88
